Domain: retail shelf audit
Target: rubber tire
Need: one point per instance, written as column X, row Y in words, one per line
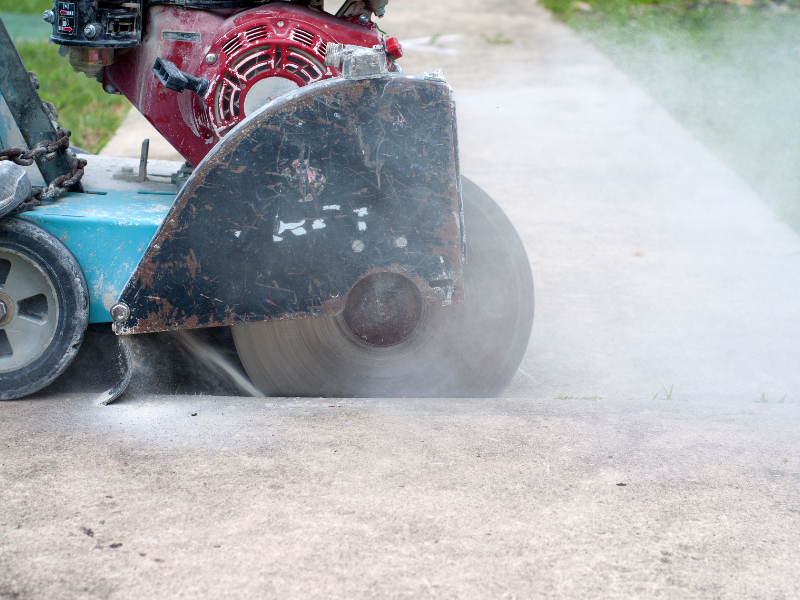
column 69, row 283
column 472, row 349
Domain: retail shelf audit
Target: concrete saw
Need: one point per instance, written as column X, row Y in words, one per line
column 321, row 215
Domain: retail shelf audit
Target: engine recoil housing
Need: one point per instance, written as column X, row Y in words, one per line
column 249, row 58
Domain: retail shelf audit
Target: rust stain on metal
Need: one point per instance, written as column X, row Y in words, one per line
column 192, row 263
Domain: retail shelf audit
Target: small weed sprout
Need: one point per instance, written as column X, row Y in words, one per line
column 667, row 393
column 497, row 39
column 763, row 398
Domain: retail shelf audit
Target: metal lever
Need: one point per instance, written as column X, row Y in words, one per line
column 141, row 177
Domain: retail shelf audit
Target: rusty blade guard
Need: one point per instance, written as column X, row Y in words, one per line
column 303, row 199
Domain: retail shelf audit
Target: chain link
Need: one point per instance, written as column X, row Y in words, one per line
column 46, row 151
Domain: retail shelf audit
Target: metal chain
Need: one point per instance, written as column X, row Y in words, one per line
column 46, row 151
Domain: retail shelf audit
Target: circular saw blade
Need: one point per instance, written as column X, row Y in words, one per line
column 471, row 349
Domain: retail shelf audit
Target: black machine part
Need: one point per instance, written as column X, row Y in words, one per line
column 120, row 23
column 240, row 4
column 335, row 181
column 45, row 306
column 172, row 78
column 389, row 344
column 96, row 23
column 352, row 8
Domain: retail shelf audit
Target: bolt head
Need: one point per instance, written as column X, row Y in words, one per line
column 120, row 312
column 363, row 19
column 380, row 12
column 211, row 59
column 90, row 31
column 3, row 309
column 110, row 89
column 49, row 16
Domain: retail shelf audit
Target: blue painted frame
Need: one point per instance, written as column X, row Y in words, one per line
column 108, row 232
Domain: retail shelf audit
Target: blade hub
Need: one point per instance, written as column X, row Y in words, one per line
column 383, row 309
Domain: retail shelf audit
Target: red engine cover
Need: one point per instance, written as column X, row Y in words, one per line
column 249, row 57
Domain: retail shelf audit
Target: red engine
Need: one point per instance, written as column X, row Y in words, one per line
column 248, row 58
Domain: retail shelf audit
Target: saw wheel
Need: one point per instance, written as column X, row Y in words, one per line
column 389, row 343
column 44, row 308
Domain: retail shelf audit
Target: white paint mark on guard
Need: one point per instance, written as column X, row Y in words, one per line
column 362, row 226
column 237, row 233
column 358, row 246
column 401, row 242
column 318, row 224
column 361, row 212
column 299, row 231
column 275, row 238
column 331, row 207
column 292, row 226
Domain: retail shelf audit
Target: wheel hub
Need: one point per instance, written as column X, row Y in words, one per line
column 3, row 310
column 383, row 309
column 29, row 311
column 6, row 309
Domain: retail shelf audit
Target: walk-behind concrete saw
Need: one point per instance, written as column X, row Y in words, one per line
column 320, row 213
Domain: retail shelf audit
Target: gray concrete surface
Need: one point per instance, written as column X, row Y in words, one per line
column 505, row 498
column 655, row 265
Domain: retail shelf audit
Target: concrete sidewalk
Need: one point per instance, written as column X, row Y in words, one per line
column 666, row 306
column 127, row 141
column 505, row 498
column 653, row 262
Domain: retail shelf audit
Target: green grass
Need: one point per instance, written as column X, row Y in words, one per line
column 730, row 73
column 83, row 107
column 25, row 6
column 684, row 13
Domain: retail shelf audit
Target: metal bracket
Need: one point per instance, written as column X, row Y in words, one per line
column 357, row 62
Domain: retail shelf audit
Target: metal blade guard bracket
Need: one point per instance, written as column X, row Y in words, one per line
column 317, row 190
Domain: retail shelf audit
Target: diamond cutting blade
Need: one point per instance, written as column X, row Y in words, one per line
column 388, row 344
